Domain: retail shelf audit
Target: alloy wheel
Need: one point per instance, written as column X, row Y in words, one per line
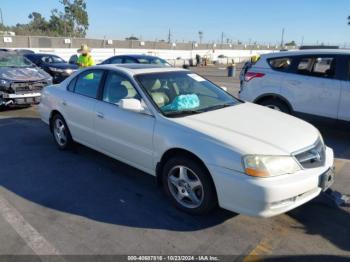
column 186, row 187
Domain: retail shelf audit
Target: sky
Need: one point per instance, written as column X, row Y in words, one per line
column 307, row 21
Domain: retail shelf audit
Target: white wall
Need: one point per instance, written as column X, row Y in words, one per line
column 101, row 54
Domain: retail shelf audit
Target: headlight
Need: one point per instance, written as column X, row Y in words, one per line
column 268, row 166
column 69, row 71
column 4, row 84
column 56, row 70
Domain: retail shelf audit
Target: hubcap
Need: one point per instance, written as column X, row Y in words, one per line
column 60, row 132
column 185, row 186
column 274, row 107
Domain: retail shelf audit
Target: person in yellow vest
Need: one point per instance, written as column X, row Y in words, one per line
column 255, row 58
column 85, row 59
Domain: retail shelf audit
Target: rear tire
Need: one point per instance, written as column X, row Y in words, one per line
column 276, row 104
column 61, row 133
column 189, row 186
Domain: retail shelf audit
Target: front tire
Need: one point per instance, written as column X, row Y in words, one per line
column 61, row 133
column 276, row 104
column 189, row 186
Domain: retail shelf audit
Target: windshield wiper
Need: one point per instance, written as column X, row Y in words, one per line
column 217, row 107
column 182, row 113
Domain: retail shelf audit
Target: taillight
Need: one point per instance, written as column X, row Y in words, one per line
column 250, row 75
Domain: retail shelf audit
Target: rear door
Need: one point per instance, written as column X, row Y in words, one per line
column 313, row 87
column 344, row 105
column 79, row 105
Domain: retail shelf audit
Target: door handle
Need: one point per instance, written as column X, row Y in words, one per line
column 64, row 103
column 100, row 115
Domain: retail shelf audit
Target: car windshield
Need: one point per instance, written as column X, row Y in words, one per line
column 13, row 60
column 184, row 93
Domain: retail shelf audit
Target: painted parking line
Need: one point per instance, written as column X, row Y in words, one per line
column 271, row 241
column 28, row 233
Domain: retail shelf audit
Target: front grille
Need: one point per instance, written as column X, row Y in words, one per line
column 27, row 87
column 312, row 157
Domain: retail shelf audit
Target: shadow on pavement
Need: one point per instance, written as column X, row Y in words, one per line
column 331, row 223
column 86, row 183
column 337, row 139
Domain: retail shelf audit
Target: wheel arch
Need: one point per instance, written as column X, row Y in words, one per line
column 52, row 114
column 264, row 97
column 179, row 152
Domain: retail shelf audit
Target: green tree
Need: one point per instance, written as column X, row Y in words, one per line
column 72, row 21
column 75, row 17
column 38, row 23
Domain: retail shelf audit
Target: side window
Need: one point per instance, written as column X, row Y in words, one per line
column 280, row 63
column 115, row 60
column 118, row 87
column 317, row 66
column 46, row 59
column 128, row 60
column 71, row 85
column 88, row 82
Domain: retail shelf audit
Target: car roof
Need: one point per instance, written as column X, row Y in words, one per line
column 137, row 56
column 134, row 69
column 308, row 52
column 40, row 54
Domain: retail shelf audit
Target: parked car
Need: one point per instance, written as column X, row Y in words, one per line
column 136, row 59
column 21, row 81
column 73, row 60
column 313, row 84
column 57, row 67
column 204, row 146
column 24, row 51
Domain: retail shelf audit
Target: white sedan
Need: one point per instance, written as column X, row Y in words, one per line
column 205, row 147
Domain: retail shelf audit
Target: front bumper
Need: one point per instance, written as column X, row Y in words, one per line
column 23, row 99
column 266, row 197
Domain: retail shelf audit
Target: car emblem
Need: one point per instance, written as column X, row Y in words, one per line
column 317, row 155
column 30, row 87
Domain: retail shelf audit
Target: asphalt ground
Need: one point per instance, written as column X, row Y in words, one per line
column 81, row 202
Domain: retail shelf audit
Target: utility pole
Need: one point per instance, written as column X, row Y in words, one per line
column 222, row 38
column 1, row 17
column 66, row 10
column 169, row 37
column 302, row 41
column 200, row 34
column 282, row 38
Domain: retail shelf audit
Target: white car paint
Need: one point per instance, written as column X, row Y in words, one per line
column 312, row 95
column 219, row 138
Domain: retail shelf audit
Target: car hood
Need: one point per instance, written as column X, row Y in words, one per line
column 251, row 129
column 63, row 66
column 23, row 74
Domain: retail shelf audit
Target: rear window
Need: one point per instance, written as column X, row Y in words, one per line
column 280, row 63
column 317, row 66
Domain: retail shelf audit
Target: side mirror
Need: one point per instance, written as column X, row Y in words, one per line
column 133, row 104
column 224, row 88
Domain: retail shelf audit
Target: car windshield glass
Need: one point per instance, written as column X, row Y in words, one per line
column 13, row 60
column 184, row 93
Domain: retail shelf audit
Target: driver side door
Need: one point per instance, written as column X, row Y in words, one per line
column 123, row 134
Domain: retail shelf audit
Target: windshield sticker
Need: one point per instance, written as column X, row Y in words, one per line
column 197, row 77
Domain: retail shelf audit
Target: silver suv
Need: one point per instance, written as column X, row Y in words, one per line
column 308, row 83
